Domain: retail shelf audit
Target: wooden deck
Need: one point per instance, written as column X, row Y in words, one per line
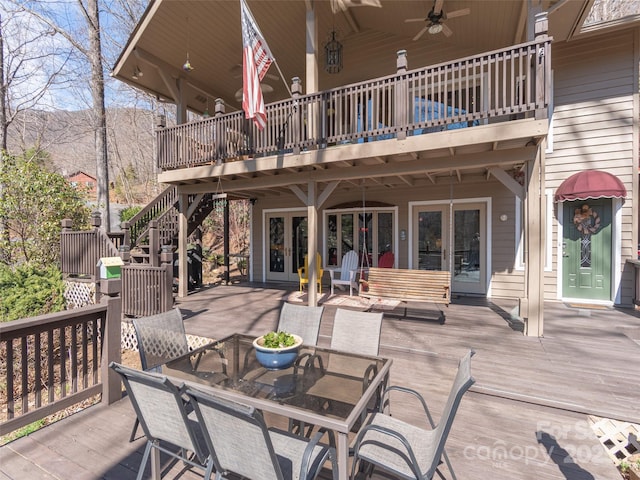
column 525, row 418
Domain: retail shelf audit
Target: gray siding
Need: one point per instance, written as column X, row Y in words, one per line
column 595, row 81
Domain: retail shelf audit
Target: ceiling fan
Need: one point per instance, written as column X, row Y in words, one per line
column 236, row 70
column 435, row 20
column 266, row 88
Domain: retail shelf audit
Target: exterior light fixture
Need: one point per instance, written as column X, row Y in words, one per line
column 187, row 64
column 435, row 28
column 137, row 73
column 333, row 54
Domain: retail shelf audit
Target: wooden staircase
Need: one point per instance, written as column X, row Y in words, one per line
column 161, row 215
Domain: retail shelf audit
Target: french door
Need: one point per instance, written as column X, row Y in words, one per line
column 286, row 245
column 452, row 237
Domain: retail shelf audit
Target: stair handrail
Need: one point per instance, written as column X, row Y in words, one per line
column 138, row 225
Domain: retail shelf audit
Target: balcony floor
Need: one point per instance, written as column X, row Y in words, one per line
column 526, row 417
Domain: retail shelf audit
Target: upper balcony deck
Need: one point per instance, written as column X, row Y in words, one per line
column 497, row 88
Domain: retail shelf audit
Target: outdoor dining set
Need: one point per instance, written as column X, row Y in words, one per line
column 227, row 410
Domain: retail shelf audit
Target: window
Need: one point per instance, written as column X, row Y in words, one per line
column 375, row 230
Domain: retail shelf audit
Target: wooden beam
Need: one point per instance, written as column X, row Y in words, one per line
column 508, row 181
column 355, row 153
column 324, row 196
column 474, row 160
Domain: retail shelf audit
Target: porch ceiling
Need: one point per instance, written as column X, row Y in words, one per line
column 420, row 160
column 210, row 32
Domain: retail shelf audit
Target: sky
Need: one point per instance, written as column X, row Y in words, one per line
column 34, row 51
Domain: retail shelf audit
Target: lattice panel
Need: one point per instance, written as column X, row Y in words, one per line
column 79, row 294
column 620, row 439
column 130, row 342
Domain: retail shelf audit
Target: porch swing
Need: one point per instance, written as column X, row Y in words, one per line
column 364, row 254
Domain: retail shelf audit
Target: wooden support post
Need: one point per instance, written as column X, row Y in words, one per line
column 154, row 244
column 542, row 68
column 535, row 241
column 401, row 100
column 296, row 114
column 126, row 230
column 312, row 243
column 220, row 134
column 227, row 278
column 183, row 268
column 111, row 341
column 166, row 260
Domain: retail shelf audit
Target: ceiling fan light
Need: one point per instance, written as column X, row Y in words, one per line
column 435, row 28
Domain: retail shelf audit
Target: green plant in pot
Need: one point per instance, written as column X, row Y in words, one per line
column 277, row 350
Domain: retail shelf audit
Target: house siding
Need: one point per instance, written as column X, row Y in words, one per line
column 595, row 127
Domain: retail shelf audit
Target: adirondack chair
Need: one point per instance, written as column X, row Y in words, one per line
column 347, row 272
column 303, row 272
column 386, row 260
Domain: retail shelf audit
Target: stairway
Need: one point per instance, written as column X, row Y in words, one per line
column 164, row 210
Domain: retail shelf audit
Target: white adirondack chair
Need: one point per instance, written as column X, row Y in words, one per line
column 347, row 272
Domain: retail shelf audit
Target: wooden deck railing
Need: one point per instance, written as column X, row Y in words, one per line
column 147, row 290
column 496, row 86
column 138, row 225
column 80, row 250
column 51, row 362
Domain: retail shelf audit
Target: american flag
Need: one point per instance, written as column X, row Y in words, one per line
column 256, row 60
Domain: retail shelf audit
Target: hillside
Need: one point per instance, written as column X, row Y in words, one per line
column 69, row 139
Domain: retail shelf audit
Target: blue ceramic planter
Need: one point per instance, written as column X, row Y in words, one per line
column 276, row 358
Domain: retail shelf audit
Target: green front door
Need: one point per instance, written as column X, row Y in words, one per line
column 587, row 247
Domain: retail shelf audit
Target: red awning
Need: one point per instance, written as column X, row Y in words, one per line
column 590, row 184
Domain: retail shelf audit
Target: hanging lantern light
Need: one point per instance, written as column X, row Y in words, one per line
column 333, row 54
column 187, row 67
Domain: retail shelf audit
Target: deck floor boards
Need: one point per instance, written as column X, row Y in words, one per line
column 525, row 418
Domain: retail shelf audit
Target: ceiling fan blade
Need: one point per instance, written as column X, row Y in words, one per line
column 237, row 73
column 446, row 30
column 458, row 13
column 265, row 87
column 408, row 20
column 420, row 33
column 437, row 6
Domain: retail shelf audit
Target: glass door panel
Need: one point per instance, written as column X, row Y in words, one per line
column 430, row 240
column 287, row 246
column 299, row 240
column 464, row 255
column 467, row 260
column 277, row 246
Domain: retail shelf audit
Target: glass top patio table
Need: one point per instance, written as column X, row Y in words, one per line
column 325, row 387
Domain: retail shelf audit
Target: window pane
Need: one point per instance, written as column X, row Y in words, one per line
column 332, row 240
column 385, row 233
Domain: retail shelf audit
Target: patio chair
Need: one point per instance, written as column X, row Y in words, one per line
column 162, row 412
column 353, row 332
column 301, row 320
column 303, row 272
column 241, row 444
column 347, row 272
column 160, row 338
column 405, row 450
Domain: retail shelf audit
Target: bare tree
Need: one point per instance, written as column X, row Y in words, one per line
column 87, row 42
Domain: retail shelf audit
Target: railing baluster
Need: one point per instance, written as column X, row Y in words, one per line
column 37, row 352
column 50, row 367
column 73, row 353
column 10, row 374
column 24, row 374
column 63, row 362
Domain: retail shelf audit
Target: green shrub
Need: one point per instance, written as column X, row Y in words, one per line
column 28, row 291
column 128, row 213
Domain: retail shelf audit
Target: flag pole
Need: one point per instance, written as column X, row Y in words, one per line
column 283, row 79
